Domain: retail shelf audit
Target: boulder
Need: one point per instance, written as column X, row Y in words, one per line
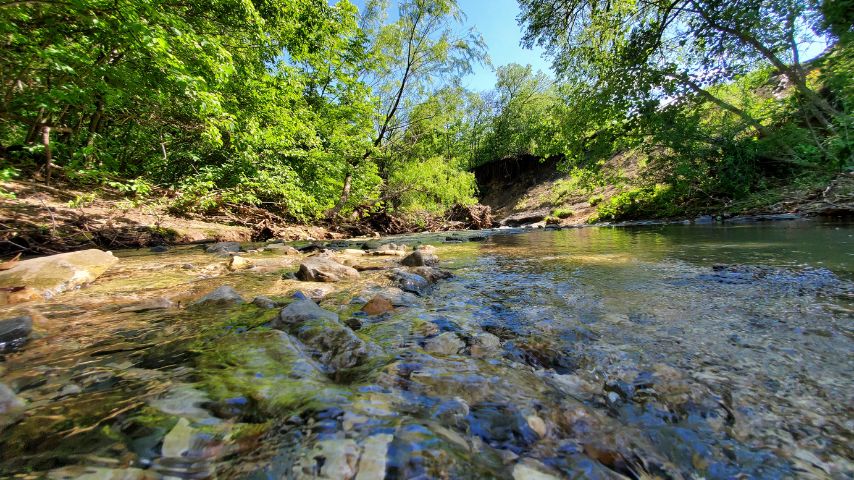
column 410, row 282
column 420, row 258
column 14, row 332
column 223, row 295
column 224, row 248
column 447, row 343
column 323, row 269
column 49, row 276
column 300, row 311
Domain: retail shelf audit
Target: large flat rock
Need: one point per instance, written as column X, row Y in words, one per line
column 49, row 276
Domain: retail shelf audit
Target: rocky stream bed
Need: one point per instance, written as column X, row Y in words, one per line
column 646, row 352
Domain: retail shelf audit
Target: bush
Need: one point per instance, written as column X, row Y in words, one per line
column 638, row 203
column 562, row 213
column 434, row 186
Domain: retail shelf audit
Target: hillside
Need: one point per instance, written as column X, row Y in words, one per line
column 526, row 190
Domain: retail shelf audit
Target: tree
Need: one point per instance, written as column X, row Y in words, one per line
column 638, row 52
column 417, row 52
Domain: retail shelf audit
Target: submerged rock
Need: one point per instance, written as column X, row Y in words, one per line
column 224, row 248
column 410, row 282
column 49, row 276
column 263, row 302
column 14, row 332
column 420, row 258
column 282, row 249
column 524, row 471
column 301, row 311
column 222, row 295
column 447, row 343
column 160, row 303
column 432, row 274
column 81, row 472
column 372, row 463
column 9, row 402
column 331, row 342
column 322, row 269
column 484, row 344
column 330, row 459
column 396, row 296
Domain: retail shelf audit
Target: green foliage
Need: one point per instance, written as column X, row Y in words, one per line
column 562, row 213
column 82, row 200
column 432, row 185
column 647, row 202
column 6, row 174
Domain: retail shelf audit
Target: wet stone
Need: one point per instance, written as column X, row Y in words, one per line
column 148, row 305
column 14, row 332
column 223, row 248
column 420, row 258
column 80, row 472
column 432, row 274
column 225, row 295
column 237, row 262
column 282, row 249
column 9, row 402
column 301, row 311
column 447, row 343
column 412, row 283
column 264, row 302
column 52, row 275
column 484, row 344
column 378, row 305
column 322, row 269
column 330, row 459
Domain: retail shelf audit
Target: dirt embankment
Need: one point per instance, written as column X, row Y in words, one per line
column 40, row 220
column 46, row 220
column 529, row 190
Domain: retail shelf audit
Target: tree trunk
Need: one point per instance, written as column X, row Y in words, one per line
column 345, row 196
column 47, row 154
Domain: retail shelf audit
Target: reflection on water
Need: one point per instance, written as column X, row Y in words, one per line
column 655, row 352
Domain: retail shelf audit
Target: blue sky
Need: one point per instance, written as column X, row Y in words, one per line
column 496, row 21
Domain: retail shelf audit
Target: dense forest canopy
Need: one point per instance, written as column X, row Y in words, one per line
column 313, row 110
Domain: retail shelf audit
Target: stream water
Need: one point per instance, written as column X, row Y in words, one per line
column 646, row 352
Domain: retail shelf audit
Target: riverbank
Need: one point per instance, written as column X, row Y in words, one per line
column 43, row 220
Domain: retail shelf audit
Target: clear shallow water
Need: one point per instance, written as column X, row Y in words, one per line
column 671, row 352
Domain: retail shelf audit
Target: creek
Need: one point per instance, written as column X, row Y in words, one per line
column 668, row 351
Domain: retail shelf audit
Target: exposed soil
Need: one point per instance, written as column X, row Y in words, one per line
column 46, row 220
